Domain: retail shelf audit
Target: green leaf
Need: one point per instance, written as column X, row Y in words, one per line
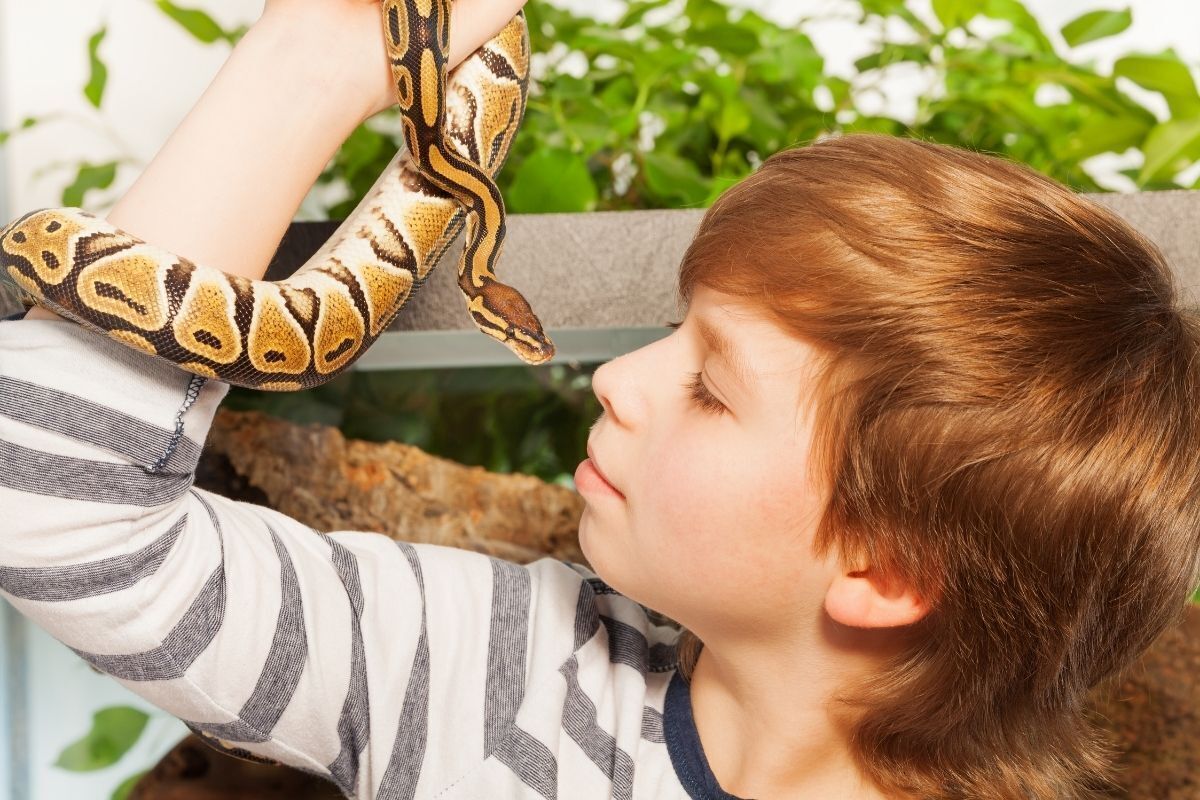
column 727, row 37
column 670, row 176
column 884, row 8
column 195, row 21
column 28, row 122
column 952, row 13
column 704, row 13
column 90, row 176
column 1096, row 25
column 790, row 58
column 1166, row 73
column 635, row 11
column 768, row 128
column 569, row 86
column 1103, row 134
column 551, row 180
column 893, row 54
column 733, row 119
column 126, row 786
column 114, row 730
column 361, row 150
column 1166, row 145
column 94, row 90
column 1015, row 12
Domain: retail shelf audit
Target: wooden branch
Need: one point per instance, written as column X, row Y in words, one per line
column 316, row 475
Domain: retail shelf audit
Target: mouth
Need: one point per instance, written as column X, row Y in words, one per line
column 589, row 474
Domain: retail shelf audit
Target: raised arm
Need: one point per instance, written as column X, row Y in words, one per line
column 226, row 184
column 377, row 664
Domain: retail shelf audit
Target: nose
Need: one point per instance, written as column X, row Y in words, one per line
column 605, row 381
column 626, row 384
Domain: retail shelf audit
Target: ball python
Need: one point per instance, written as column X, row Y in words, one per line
column 302, row 331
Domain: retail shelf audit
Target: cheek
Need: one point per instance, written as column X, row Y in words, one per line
column 705, row 489
column 728, row 507
column 679, row 473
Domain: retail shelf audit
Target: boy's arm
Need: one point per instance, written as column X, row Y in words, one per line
column 226, row 184
column 378, row 664
column 370, row 662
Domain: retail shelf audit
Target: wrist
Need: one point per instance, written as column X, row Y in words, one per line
column 326, row 55
column 226, row 184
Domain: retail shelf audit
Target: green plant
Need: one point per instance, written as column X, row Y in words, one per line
column 669, row 109
column 505, row 419
column 115, row 729
column 670, row 112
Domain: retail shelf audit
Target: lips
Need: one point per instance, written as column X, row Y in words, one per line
column 592, row 455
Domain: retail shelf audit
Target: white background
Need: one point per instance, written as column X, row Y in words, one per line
column 157, row 72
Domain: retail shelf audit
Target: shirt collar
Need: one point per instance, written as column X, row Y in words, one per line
column 683, row 744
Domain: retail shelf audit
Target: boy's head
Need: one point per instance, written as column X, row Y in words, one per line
column 966, row 430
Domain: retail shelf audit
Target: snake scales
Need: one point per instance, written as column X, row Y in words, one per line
column 302, row 331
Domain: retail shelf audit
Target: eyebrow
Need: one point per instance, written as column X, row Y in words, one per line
column 725, row 348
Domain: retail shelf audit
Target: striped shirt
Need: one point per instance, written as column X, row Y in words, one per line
column 393, row 669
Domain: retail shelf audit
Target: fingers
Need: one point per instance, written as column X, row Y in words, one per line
column 473, row 22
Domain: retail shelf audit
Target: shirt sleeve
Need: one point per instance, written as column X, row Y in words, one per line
column 387, row 667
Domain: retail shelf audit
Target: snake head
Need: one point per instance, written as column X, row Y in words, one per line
column 506, row 316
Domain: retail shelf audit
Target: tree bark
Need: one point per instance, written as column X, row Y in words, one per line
column 316, row 475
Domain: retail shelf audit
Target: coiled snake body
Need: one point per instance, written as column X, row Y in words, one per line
column 301, row 332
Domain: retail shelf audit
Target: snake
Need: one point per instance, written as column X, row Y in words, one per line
column 457, row 128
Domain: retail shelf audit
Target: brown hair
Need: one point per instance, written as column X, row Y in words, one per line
column 1006, row 418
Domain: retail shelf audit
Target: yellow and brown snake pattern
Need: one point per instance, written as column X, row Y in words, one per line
column 301, row 332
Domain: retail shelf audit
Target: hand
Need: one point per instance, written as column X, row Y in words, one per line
column 354, row 29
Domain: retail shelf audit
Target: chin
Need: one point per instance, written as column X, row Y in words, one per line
column 596, row 556
column 585, row 540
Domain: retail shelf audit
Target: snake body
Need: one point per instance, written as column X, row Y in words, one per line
column 302, row 331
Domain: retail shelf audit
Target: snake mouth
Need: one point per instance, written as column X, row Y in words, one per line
column 531, row 348
column 532, row 354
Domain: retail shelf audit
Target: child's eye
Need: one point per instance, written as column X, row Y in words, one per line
column 699, row 393
column 702, row 397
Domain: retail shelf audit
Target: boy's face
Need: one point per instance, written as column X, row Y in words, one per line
column 715, row 523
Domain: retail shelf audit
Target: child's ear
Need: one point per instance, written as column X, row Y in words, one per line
column 866, row 598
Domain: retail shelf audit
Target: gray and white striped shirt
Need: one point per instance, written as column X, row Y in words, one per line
column 394, row 669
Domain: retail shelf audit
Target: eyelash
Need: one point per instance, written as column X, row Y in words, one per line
column 698, row 392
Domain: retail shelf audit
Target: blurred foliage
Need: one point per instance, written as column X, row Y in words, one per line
column 678, row 99
column 114, row 731
column 533, row 420
column 666, row 110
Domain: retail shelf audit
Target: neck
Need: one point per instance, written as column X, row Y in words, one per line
column 765, row 718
